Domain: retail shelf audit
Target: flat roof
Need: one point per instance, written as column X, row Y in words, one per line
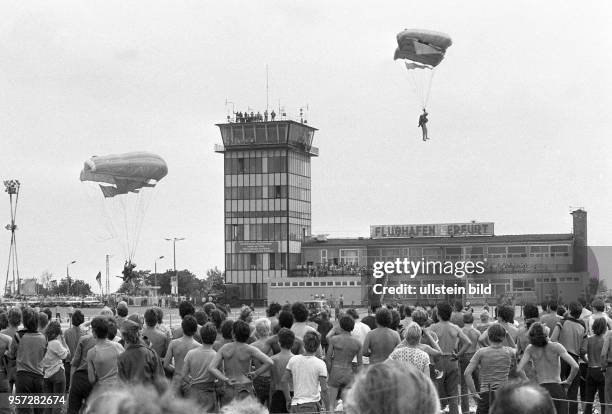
column 278, row 121
column 395, row 241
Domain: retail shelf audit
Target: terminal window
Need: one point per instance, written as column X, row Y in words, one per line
column 539, row 251
column 453, row 253
column 524, row 285
column 497, row 252
column 474, row 252
column 432, row 253
column 557, row 251
column 349, row 256
column 517, row 251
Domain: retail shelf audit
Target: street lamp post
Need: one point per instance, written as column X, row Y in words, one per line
column 68, row 277
column 160, row 257
column 174, row 240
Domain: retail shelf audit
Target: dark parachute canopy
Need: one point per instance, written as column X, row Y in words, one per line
column 126, row 182
column 422, row 46
column 421, row 51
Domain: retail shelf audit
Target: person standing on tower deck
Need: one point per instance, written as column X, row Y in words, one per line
column 423, row 123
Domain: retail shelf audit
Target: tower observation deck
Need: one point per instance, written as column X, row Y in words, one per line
column 267, row 202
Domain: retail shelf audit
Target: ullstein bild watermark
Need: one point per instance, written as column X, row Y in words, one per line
column 413, row 268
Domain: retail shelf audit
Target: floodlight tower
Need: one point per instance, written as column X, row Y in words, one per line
column 12, row 269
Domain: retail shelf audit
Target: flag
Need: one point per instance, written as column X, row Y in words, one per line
column 99, row 279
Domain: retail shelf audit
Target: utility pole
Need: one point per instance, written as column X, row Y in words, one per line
column 68, row 277
column 107, row 274
column 160, row 257
column 175, row 279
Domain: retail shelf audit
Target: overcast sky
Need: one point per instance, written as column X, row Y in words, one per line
column 519, row 116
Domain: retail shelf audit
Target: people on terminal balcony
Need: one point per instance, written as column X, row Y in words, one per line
column 330, row 269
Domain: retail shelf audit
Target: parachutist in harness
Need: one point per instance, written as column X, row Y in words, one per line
column 128, row 269
column 423, row 124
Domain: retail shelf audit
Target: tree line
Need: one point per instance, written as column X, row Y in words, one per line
column 189, row 284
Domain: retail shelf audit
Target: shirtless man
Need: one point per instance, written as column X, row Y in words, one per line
column 546, row 357
column 178, row 348
column 342, row 349
column 380, row 342
column 472, row 333
column 236, row 358
column 449, row 336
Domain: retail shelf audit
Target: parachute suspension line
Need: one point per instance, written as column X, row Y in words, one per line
column 415, row 85
column 111, row 207
column 421, row 84
column 426, row 100
column 144, row 200
column 138, row 213
column 127, row 230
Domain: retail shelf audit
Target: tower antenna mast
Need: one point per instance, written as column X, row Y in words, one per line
column 267, row 89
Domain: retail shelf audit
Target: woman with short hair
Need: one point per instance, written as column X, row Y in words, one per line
column 53, row 364
column 392, row 389
column 28, row 349
column 408, row 353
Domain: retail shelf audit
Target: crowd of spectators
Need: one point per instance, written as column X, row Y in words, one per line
column 394, row 360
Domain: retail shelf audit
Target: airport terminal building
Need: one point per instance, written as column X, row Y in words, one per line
column 271, row 255
column 526, row 267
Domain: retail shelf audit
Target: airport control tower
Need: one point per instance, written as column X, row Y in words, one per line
column 267, row 201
